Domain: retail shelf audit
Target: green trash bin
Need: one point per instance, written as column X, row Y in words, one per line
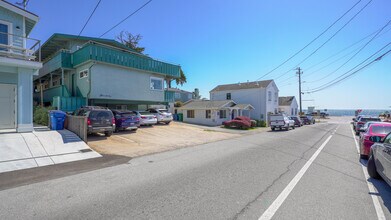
column 180, row 116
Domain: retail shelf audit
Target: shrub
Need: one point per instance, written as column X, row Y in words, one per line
column 253, row 123
column 262, row 123
column 240, row 124
column 41, row 115
column 243, row 118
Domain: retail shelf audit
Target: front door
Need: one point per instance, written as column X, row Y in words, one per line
column 7, row 106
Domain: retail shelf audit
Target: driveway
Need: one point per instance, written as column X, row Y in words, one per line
column 158, row 138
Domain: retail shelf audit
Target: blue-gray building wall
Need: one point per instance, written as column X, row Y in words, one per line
column 17, row 21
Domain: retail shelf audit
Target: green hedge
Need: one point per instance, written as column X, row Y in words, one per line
column 41, row 115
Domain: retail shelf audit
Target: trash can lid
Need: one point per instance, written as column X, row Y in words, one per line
column 57, row 113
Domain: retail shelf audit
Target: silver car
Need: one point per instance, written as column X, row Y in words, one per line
column 146, row 118
column 162, row 115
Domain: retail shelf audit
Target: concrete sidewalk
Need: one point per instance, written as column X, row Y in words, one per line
column 41, row 148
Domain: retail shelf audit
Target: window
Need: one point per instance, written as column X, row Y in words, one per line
column 275, row 97
column 156, row 83
column 223, row 113
column 208, row 114
column 228, row 96
column 5, row 31
column 177, row 95
column 269, row 96
column 190, row 113
column 83, row 74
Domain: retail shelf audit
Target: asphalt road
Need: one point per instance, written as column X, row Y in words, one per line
column 308, row 173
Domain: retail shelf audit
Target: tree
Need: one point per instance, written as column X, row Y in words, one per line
column 131, row 41
column 179, row 81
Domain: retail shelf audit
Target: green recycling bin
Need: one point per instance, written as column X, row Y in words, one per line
column 180, row 116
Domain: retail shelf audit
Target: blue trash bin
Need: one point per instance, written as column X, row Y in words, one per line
column 57, row 119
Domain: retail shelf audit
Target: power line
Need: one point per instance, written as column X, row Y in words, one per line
column 316, row 50
column 354, row 55
column 346, row 48
column 338, row 79
column 335, row 83
column 126, row 18
column 92, row 13
column 311, row 41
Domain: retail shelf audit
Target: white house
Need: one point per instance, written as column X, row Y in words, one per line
column 19, row 61
column 213, row 113
column 262, row 95
column 288, row 105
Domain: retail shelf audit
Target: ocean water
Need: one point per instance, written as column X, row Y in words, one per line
column 350, row 112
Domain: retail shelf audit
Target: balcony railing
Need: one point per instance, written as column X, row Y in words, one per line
column 16, row 47
column 113, row 55
column 169, row 96
column 61, row 59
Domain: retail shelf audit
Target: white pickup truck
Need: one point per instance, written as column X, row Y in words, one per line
column 281, row 121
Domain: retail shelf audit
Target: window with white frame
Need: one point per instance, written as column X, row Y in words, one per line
column 269, row 96
column 223, row 113
column 208, row 113
column 156, row 83
column 83, row 74
column 190, row 114
column 5, row 34
column 275, row 97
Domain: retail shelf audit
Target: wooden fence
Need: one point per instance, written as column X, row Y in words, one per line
column 78, row 125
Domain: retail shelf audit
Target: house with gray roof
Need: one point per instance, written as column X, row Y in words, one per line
column 213, row 113
column 262, row 95
column 288, row 105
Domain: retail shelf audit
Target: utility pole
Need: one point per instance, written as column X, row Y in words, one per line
column 299, row 72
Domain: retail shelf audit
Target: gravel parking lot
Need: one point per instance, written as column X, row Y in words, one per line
column 158, row 138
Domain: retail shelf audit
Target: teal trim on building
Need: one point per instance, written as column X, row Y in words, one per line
column 169, row 96
column 48, row 94
column 68, row 104
column 102, row 53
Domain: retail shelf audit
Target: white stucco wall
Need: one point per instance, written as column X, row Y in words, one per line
column 112, row 82
column 199, row 118
column 257, row 97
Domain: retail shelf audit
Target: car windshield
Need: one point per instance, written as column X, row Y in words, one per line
column 100, row 114
column 145, row 113
column 369, row 119
column 381, row 129
column 128, row 114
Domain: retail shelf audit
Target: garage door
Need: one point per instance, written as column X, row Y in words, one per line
column 7, row 106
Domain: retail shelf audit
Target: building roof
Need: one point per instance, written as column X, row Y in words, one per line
column 207, row 104
column 178, row 90
column 31, row 18
column 60, row 41
column 244, row 106
column 285, row 100
column 243, row 85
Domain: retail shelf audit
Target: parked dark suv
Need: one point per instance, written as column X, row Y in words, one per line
column 99, row 119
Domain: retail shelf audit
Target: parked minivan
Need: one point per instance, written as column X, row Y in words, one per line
column 99, row 119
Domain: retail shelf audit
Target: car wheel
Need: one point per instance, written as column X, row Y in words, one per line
column 167, row 123
column 371, row 167
column 135, row 130
column 108, row 133
column 116, row 130
column 357, row 133
column 293, row 127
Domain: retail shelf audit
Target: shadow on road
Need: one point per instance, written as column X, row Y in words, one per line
column 39, row 174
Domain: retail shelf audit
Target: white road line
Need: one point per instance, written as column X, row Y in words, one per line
column 372, row 190
column 269, row 213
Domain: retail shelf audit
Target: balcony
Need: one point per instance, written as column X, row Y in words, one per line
column 103, row 53
column 169, row 96
column 48, row 94
column 15, row 46
column 61, row 59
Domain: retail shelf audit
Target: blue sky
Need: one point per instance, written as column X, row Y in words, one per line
column 225, row 41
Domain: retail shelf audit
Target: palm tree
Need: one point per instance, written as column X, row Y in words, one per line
column 179, row 81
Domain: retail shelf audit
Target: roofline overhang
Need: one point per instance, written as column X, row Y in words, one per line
column 19, row 11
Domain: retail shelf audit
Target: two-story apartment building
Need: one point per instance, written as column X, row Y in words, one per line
column 18, row 64
column 80, row 70
column 262, row 95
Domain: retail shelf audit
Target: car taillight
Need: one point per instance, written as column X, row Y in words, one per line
column 360, row 123
column 113, row 121
column 366, row 137
column 88, row 121
column 143, row 117
column 137, row 119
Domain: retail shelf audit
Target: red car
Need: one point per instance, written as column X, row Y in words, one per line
column 376, row 129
